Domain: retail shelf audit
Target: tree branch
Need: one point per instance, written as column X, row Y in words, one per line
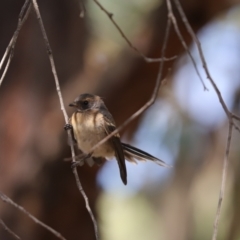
column 223, row 183
column 204, row 64
column 8, row 200
column 229, row 114
column 174, row 21
column 49, row 52
column 147, row 59
column 8, row 55
column 9, row 230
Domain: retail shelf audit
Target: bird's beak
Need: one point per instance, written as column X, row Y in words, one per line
column 72, row 104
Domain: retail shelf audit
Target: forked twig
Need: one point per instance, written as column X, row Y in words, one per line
column 147, row 59
column 8, row 55
column 229, row 114
column 9, row 230
column 20, row 208
column 204, row 64
column 174, row 21
column 49, row 51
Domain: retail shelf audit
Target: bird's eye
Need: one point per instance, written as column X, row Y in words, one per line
column 85, row 103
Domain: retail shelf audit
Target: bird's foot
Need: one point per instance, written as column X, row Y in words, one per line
column 81, row 160
column 76, row 164
column 68, row 126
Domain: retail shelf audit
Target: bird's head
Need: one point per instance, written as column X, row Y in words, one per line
column 86, row 102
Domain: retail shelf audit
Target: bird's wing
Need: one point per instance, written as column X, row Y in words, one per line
column 109, row 127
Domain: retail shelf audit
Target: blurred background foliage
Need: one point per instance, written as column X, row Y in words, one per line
column 186, row 127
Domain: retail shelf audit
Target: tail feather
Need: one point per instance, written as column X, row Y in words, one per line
column 132, row 153
column 129, row 157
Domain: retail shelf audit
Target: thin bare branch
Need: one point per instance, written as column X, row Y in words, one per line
column 174, row 21
column 8, row 200
column 22, row 17
column 223, row 183
column 5, row 69
column 229, row 114
column 236, row 117
column 49, row 51
column 204, row 64
column 147, row 59
column 236, row 126
column 9, row 230
column 151, row 101
column 8, row 55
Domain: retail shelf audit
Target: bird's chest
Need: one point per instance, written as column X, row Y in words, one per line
column 88, row 131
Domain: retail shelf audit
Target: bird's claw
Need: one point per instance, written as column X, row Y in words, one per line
column 80, row 162
column 75, row 164
column 68, row 126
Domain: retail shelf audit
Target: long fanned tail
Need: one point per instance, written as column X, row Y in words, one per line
column 131, row 153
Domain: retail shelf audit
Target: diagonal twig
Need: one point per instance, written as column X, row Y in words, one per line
column 174, row 21
column 49, row 52
column 8, row 55
column 8, row 200
column 223, row 183
column 147, row 59
column 204, row 64
column 5, row 227
column 236, row 117
column 235, row 126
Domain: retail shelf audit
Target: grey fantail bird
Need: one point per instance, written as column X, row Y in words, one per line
column 91, row 122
